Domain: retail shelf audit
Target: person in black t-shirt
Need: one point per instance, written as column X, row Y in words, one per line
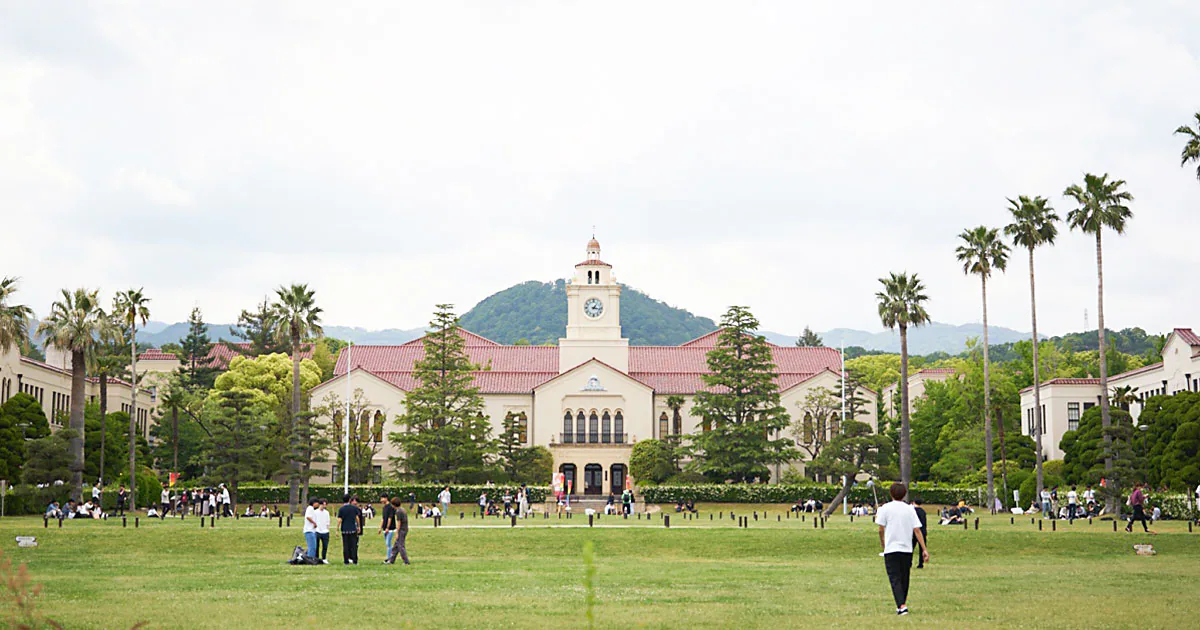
column 350, row 523
column 917, row 503
column 387, row 524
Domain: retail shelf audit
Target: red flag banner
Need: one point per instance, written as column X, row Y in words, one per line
column 172, row 478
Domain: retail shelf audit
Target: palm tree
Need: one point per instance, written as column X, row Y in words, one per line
column 902, row 304
column 129, row 307
column 297, row 317
column 1191, row 149
column 1033, row 225
column 1124, row 396
column 982, row 252
column 14, row 318
column 1101, row 205
column 107, row 362
column 75, row 324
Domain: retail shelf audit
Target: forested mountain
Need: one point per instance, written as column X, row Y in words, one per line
column 536, row 312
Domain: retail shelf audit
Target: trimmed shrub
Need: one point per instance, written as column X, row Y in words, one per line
column 789, row 493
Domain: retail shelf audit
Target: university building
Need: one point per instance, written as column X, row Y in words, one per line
column 590, row 398
column 49, row 382
column 1065, row 399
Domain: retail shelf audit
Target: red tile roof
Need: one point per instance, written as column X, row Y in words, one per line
column 937, row 371
column 1188, row 336
column 1096, row 381
column 593, row 263
column 520, row 369
column 219, row 355
column 44, row 365
column 155, row 354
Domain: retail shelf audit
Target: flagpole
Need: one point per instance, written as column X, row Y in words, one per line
column 346, row 457
column 843, row 357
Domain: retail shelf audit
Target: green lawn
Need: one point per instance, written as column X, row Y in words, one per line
column 697, row 574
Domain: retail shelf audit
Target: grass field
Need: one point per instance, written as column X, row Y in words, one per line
column 697, row 574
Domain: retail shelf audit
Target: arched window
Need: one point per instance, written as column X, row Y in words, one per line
column 663, row 424
column 364, row 426
column 606, row 428
column 678, row 423
column 523, row 427
column 377, row 427
column 619, row 428
column 593, row 428
column 580, row 428
column 568, row 428
column 806, row 433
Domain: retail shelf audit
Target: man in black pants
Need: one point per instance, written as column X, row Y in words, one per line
column 350, row 522
column 917, row 503
column 898, row 525
column 1137, row 501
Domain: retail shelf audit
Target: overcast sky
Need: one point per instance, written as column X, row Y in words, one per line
column 779, row 155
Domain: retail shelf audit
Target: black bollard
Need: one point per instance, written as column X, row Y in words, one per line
column 212, row 522
column 590, row 519
column 1189, row 527
column 460, row 516
column 802, row 518
column 514, row 521
column 1039, row 526
column 289, row 520
column 851, row 518
column 123, row 524
column 756, row 515
column 46, row 523
column 1115, row 526
column 778, row 518
column 135, row 521
column 280, row 521
column 1031, row 520
column 666, row 521
column 1053, row 526
column 1012, row 520
column 822, row 522
column 964, row 525
column 815, row 524
column 977, row 523
column 201, row 522
column 60, row 522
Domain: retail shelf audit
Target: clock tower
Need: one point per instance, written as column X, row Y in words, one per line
column 593, row 316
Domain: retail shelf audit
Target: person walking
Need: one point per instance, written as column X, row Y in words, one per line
column 350, row 519
column 122, row 500
column 387, row 524
column 226, row 506
column 444, row 499
column 523, row 501
column 310, row 527
column 921, row 516
column 1047, row 508
column 1137, row 501
column 398, row 543
column 898, row 525
column 212, row 503
column 483, row 501
column 323, row 529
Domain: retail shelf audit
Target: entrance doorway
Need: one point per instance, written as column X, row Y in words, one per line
column 618, row 478
column 569, row 478
column 593, row 479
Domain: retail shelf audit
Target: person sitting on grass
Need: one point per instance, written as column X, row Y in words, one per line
column 53, row 511
column 690, row 506
column 152, row 512
column 265, row 513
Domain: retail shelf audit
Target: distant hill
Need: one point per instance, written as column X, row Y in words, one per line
column 172, row 333
column 935, row 337
column 537, row 312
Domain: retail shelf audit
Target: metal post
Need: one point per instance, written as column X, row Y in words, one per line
column 346, row 455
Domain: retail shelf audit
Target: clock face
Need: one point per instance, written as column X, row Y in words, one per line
column 593, row 308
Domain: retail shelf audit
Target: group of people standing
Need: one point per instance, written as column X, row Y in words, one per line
column 393, row 527
column 510, row 505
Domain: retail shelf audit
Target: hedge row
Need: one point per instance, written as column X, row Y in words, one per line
column 787, row 493
column 425, row 493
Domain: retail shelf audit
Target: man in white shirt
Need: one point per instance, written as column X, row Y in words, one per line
column 310, row 527
column 323, row 529
column 164, row 503
column 226, row 506
column 1047, row 508
column 1072, row 503
column 444, row 499
column 899, row 525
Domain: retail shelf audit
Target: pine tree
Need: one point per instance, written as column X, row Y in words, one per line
column 740, row 404
column 809, row 339
column 259, row 329
column 196, row 372
column 448, row 436
column 239, row 428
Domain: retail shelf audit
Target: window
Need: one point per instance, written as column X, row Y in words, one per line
column 1073, row 416
column 677, row 425
column 606, row 428
column 619, row 427
column 376, row 474
column 568, row 428
column 662, row 425
column 593, row 428
column 580, row 428
column 806, row 431
column 523, row 423
column 377, row 428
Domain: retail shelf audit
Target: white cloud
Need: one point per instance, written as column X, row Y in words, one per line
column 157, row 190
column 781, row 155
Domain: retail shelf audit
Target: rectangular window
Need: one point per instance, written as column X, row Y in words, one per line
column 1073, row 416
